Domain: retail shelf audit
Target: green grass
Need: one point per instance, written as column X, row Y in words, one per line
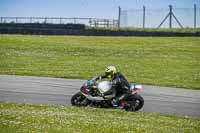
column 42, row 118
column 163, row 61
column 177, row 30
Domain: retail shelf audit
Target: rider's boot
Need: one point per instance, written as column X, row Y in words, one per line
column 114, row 102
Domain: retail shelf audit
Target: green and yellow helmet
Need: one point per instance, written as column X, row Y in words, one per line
column 110, row 71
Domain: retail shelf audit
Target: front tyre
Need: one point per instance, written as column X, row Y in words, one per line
column 79, row 100
column 136, row 102
column 139, row 102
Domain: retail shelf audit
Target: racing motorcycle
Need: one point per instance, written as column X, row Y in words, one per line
column 91, row 94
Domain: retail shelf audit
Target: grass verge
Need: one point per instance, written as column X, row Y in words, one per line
column 42, row 118
column 173, row 30
column 163, row 61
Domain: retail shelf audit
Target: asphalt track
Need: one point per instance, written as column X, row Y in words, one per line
column 42, row 90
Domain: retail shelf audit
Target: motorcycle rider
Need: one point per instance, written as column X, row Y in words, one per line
column 120, row 85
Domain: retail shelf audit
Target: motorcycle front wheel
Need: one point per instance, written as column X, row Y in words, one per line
column 139, row 102
column 79, row 99
column 136, row 103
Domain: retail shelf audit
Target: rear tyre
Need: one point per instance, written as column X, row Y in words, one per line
column 79, row 100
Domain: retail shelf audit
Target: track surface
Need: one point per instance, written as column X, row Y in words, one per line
column 40, row 90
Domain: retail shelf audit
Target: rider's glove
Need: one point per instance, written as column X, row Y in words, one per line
column 101, row 94
column 90, row 82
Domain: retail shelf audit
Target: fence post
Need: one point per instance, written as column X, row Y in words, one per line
column 45, row 20
column 16, row 20
column 60, row 20
column 95, row 23
column 119, row 16
column 90, row 21
column 144, row 9
column 195, row 19
column 170, row 16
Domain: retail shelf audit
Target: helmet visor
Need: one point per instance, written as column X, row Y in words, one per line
column 108, row 73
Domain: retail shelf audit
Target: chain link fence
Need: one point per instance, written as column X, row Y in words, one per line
column 160, row 18
column 93, row 22
column 140, row 18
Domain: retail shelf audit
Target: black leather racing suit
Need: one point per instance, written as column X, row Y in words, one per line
column 120, row 85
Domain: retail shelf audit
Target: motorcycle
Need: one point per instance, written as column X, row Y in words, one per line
column 92, row 94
